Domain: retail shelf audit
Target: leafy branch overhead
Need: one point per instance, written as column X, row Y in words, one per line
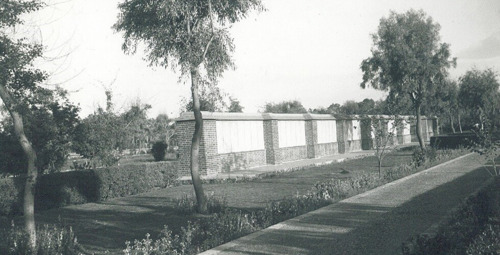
column 183, row 34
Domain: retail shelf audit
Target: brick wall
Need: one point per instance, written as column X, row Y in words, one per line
column 211, row 162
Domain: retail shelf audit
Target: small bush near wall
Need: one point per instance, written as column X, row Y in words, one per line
column 77, row 187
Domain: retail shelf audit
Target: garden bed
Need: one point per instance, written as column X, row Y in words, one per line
column 473, row 228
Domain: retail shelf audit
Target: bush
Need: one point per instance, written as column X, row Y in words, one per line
column 421, row 157
column 159, row 150
column 453, row 141
column 50, row 240
column 488, row 242
column 77, row 187
column 466, row 229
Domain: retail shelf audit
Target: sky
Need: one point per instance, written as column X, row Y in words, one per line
column 306, row 50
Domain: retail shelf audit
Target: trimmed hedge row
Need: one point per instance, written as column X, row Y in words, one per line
column 78, row 187
column 457, row 140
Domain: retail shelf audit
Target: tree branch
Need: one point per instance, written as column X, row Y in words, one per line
column 212, row 28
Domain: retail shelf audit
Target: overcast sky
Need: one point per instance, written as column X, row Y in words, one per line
column 309, row 50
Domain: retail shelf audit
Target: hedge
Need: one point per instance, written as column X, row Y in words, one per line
column 78, row 187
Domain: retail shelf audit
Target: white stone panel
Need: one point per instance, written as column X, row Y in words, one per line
column 327, row 131
column 291, row 133
column 356, row 130
column 238, row 136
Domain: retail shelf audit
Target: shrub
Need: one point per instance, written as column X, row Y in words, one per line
column 159, row 150
column 488, row 242
column 421, row 157
column 468, row 225
column 77, row 187
column 54, row 239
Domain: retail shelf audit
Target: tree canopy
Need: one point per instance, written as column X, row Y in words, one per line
column 191, row 36
column 291, row 106
column 408, row 59
column 479, row 93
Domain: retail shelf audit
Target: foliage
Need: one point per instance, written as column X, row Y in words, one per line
column 407, row 59
column 443, row 103
column 191, row 36
column 78, row 187
column 383, row 131
column 159, row 150
column 479, row 95
column 460, row 229
column 423, row 156
column 50, row 127
column 55, row 239
column 292, row 106
column 487, row 145
column 136, row 126
column 234, row 105
column 488, row 242
column 99, row 137
column 212, row 98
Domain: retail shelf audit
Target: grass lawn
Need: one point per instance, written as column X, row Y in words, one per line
column 107, row 225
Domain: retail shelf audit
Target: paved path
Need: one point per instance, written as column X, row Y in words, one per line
column 375, row 222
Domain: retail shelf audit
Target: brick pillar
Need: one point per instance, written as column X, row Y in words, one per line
column 209, row 161
column 435, row 125
column 425, row 134
column 184, row 130
column 341, row 138
column 311, row 137
column 399, row 131
column 271, row 141
column 366, row 134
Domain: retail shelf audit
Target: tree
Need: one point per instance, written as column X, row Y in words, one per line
column 212, row 98
column 137, row 128
column 383, row 131
column 367, row 106
column 19, row 92
column 349, row 107
column 189, row 35
column 478, row 93
column 292, row 106
column 407, row 59
column 234, row 105
column 487, row 145
column 444, row 104
column 51, row 128
column 99, row 137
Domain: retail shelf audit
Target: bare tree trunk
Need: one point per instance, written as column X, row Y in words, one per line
column 32, row 173
column 419, row 129
column 379, row 167
column 195, row 147
column 459, row 123
column 452, row 124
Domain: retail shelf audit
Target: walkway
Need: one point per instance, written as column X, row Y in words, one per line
column 375, row 222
